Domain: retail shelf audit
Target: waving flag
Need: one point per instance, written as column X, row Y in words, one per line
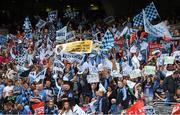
column 27, row 25
column 58, row 65
column 70, row 14
column 61, row 34
column 40, row 75
column 52, row 15
column 108, row 41
column 41, row 23
column 151, row 13
column 70, row 36
column 159, row 30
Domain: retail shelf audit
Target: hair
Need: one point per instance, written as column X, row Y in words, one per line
column 177, row 72
column 63, row 109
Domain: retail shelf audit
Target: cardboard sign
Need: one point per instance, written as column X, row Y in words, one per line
column 169, row 60
column 135, row 73
column 149, row 70
column 94, row 78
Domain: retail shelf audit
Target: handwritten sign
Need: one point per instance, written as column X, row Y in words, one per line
column 149, row 70
column 135, row 73
column 169, row 60
column 75, row 47
column 94, row 78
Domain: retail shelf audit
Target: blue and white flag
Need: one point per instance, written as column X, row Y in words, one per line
column 61, row 34
column 41, row 23
column 53, row 15
column 72, row 57
column 3, row 39
column 58, row 65
column 108, row 41
column 70, row 36
column 27, row 25
column 159, row 30
column 151, row 13
column 40, row 75
column 70, row 14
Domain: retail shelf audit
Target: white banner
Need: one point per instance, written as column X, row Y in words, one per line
column 72, row 57
column 150, row 70
column 61, row 34
column 159, row 30
column 169, row 60
column 93, row 78
column 70, row 36
column 135, row 73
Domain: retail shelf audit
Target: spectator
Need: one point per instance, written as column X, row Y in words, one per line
column 103, row 103
column 160, row 94
column 122, row 99
column 66, row 110
column 22, row 110
column 51, row 108
column 170, row 85
column 148, row 90
column 9, row 109
column 49, row 91
column 177, row 96
column 114, row 107
column 111, row 94
column 35, row 98
column 9, row 87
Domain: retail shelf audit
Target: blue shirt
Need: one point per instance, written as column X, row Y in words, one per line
column 17, row 89
column 23, row 112
column 148, row 91
column 1, row 89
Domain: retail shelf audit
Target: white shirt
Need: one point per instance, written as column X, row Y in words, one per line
column 7, row 89
column 68, row 113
